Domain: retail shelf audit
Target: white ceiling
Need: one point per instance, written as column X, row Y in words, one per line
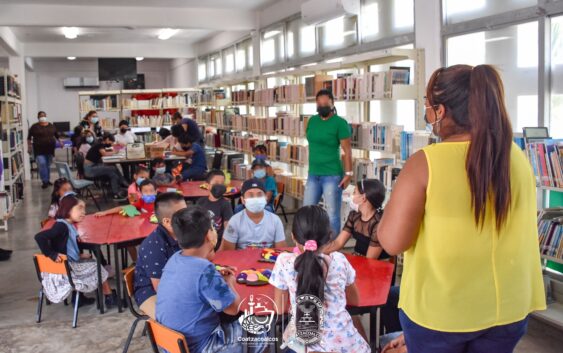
column 234, row 4
column 107, row 35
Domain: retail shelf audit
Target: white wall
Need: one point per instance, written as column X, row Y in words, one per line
column 61, row 104
column 183, row 73
column 4, row 63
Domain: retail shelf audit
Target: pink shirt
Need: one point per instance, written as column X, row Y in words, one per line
column 134, row 190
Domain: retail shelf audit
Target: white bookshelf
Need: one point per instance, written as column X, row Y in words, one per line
column 12, row 148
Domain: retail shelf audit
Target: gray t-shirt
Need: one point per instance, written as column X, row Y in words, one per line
column 243, row 232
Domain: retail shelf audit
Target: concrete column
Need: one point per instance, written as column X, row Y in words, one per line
column 427, row 30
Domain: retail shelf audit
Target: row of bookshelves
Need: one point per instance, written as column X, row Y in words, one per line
column 550, row 231
column 11, row 113
column 9, row 86
column 102, row 103
column 11, row 140
column 546, row 157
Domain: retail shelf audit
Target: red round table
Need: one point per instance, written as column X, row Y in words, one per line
column 193, row 189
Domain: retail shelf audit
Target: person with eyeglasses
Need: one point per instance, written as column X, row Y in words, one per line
column 464, row 213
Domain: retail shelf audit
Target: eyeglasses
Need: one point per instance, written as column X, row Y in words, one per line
column 429, row 107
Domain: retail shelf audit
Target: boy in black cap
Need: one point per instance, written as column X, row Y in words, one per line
column 253, row 227
column 260, row 172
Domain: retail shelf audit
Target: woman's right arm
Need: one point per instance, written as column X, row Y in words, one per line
column 338, row 243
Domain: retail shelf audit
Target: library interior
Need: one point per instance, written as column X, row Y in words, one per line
column 280, row 176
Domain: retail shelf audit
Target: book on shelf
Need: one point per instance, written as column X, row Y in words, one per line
column 294, row 185
column 412, row 142
column 152, row 121
column 11, row 113
column 108, row 123
column 14, row 89
column 142, row 104
column 400, row 75
column 178, row 101
column 314, row 84
column 550, row 232
column 98, row 103
column 377, row 137
column 546, row 157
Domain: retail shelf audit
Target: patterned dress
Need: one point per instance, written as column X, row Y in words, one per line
column 338, row 332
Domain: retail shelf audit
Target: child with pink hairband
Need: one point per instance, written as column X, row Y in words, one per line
column 328, row 277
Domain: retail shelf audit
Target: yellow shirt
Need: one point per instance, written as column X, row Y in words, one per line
column 458, row 277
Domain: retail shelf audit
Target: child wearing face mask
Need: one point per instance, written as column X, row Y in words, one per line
column 134, row 191
column 253, row 227
column 366, row 206
column 160, row 177
column 260, row 172
column 192, row 293
column 87, row 141
column 145, row 204
column 219, row 208
column 61, row 188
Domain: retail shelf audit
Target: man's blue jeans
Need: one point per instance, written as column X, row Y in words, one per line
column 327, row 188
column 44, row 166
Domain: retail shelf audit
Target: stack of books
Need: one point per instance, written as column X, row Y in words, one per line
column 11, row 113
column 376, row 137
column 14, row 88
column 98, row 103
column 178, row 101
column 148, row 121
column 294, row 186
column 550, row 232
column 546, row 157
column 108, row 123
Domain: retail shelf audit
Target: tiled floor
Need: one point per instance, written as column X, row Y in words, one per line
column 101, row 333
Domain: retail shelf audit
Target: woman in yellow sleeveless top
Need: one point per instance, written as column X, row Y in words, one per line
column 464, row 213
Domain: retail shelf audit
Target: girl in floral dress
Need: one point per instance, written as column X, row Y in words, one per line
column 328, row 277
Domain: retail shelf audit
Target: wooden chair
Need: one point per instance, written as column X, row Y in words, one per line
column 165, row 338
column 44, row 264
column 129, row 276
column 278, row 201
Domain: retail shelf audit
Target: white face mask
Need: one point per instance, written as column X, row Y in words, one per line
column 353, row 206
column 43, row 119
column 255, row 204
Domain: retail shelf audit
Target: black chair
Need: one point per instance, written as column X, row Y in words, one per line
column 278, row 201
column 217, row 159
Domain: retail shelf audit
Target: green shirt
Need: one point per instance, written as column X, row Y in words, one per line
column 324, row 144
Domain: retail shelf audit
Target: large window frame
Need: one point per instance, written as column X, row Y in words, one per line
column 542, row 13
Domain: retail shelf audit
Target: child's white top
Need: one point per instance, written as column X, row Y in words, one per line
column 338, row 332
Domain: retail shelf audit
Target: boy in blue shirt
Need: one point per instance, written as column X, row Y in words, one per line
column 195, row 167
column 192, row 293
column 260, row 172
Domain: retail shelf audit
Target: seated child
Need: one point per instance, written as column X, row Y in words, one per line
column 219, row 207
column 253, row 226
column 61, row 188
column 63, row 239
column 261, row 152
column 366, row 206
column 134, row 191
column 328, row 277
column 192, row 293
column 160, row 176
column 155, row 251
column 145, row 204
column 259, row 170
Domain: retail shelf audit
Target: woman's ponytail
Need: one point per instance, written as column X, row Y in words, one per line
column 488, row 158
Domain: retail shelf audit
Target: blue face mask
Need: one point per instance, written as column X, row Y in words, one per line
column 260, row 173
column 148, row 198
column 260, row 157
column 90, row 139
column 95, row 120
column 160, row 170
column 139, row 181
column 255, row 204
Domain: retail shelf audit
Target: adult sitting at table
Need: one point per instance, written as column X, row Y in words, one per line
column 155, row 251
column 125, row 135
column 254, row 227
column 366, row 204
column 195, row 165
column 95, row 168
column 260, row 170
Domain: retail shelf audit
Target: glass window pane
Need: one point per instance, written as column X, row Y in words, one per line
column 300, row 39
column 555, row 122
column 500, row 48
column 241, row 59
column 338, row 33
column 384, row 18
column 229, row 60
column 201, row 70
column 273, row 46
column 464, row 10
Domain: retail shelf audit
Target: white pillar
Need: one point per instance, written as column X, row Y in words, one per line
column 17, row 68
column 427, row 30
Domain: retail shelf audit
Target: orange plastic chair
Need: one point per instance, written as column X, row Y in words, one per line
column 279, row 199
column 44, row 264
column 165, row 338
column 129, row 276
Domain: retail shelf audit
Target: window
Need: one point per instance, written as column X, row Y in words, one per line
column 338, row 33
column 500, row 48
column 244, row 54
column 301, row 40
column 273, row 51
column 555, row 122
column 463, row 10
column 384, row 18
column 201, row 70
column 229, row 60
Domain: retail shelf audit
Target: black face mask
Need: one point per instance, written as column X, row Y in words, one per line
column 324, row 111
column 218, row 190
column 186, row 148
column 107, row 145
column 123, row 130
